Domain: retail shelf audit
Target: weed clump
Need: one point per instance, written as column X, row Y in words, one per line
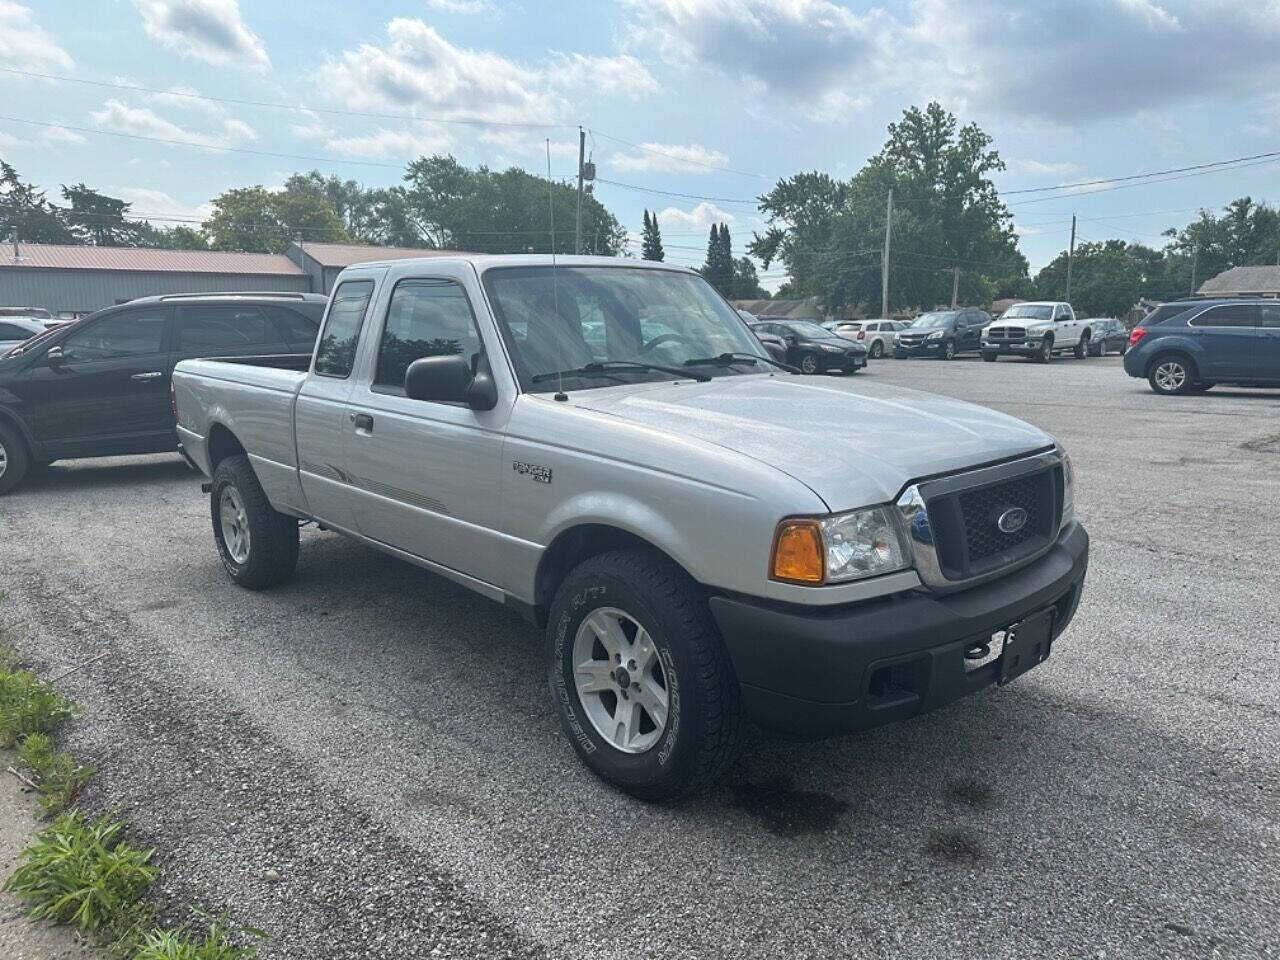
column 58, row 778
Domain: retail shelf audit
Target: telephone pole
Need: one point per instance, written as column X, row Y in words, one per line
column 1195, row 262
column 884, row 266
column 577, row 220
column 1071, row 253
column 955, row 286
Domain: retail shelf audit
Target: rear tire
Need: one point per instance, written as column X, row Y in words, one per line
column 1172, row 375
column 1102, row 348
column 258, row 546
column 679, row 669
column 1081, row 349
column 877, row 350
column 949, row 350
column 15, row 460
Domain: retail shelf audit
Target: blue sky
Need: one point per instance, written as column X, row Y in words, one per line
column 727, row 95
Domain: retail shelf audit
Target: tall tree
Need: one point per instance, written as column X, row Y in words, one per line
column 507, row 211
column 651, row 242
column 25, row 214
column 719, row 267
column 746, row 282
column 259, row 220
column 829, row 233
column 98, row 220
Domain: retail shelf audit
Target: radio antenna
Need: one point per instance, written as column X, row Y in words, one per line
column 555, row 294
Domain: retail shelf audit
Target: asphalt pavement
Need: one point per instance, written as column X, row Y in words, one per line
column 365, row 762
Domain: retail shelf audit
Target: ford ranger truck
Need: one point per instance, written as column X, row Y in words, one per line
column 1037, row 330
column 606, row 448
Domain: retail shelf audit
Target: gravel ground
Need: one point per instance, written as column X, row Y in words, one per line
column 366, row 764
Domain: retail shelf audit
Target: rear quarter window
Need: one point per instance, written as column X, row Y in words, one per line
column 336, row 351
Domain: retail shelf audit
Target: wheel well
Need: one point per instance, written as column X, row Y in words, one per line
column 570, row 548
column 222, row 444
column 8, row 420
column 1166, row 354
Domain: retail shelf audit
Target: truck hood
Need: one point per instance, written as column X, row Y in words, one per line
column 853, row 444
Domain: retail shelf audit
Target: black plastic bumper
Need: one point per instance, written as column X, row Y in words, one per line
column 819, row 672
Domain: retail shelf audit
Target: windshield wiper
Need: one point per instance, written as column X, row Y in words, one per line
column 601, row 368
column 728, row 359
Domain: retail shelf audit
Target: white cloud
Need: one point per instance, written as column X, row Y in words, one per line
column 1026, row 231
column 158, row 204
column 398, row 143
column 702, row 216
column 208, row 30
column 9, row 142
column 416, row 68
column 466, row 7
column 1042, row 168
column 1067, row 63
column 670, row 158
column 60, row 136
column 25, row 45
column 120, row 117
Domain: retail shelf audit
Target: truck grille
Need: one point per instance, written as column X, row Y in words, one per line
column 970, row 525
column 1007, row 333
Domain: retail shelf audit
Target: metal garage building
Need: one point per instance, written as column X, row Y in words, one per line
column 70, row 281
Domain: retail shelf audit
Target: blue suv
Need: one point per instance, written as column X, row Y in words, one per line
column 1190, row 345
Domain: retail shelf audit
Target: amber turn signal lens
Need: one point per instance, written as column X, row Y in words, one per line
column 797, row 552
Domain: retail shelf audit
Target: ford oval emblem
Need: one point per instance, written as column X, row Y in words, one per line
column 1012, row 520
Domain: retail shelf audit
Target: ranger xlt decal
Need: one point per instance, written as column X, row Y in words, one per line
column 541, row 474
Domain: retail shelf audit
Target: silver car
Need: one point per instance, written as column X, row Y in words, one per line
column 15, row 331
column 875, row 335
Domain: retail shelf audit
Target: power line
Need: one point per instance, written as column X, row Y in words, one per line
column 1275, row 154
column 1126, row 186
column 669, row 193
column 300, row 108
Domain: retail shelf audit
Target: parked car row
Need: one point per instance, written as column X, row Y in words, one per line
column 812, row 348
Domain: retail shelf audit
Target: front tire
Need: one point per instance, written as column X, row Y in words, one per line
column 1046, row 350
column 990, row 357
column 640, row 677
column 258, row 546
column 15, row 460
column 809, row 363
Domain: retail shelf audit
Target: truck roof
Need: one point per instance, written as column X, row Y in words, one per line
column 483, row 261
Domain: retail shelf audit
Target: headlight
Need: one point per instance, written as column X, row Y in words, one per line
column 831, row 349
column 1068, row 490
column 848, row 546
column 897, row 337
column 936, row 335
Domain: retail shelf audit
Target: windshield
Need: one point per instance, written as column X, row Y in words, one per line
column 609, row 314
column 934, row 319
column 1028, row 311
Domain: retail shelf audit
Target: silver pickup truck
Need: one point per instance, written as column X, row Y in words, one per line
column 604, row 446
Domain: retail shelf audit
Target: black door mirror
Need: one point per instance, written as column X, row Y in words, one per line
column 54, row 356
column 775, row 350
column 449, row 379
column 790, row 338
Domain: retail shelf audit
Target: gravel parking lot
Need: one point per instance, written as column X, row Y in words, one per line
column 365, row 763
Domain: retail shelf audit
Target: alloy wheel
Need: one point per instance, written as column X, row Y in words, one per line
column 235, row 524
column 621, row 681
column 4, row 459
column 808, row 364
column 1171, row 376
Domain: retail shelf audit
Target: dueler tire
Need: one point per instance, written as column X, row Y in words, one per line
column 15, row 460
column 684, row 676
column 258, row 546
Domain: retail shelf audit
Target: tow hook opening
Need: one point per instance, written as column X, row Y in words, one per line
column 977, row 651
column 896, row 683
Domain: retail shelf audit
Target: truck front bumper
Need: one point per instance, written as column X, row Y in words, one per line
column 1019, row 348
column 820, row 672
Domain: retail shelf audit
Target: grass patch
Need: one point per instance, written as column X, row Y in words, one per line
column 58, row 778
column 30, row 705
column 215, row 943
column 82, row 873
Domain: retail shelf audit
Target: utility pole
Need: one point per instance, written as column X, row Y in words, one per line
column 955, row 286
column 1195, row 262
column 577, row 222
column 1071, row 253
column 884, row 266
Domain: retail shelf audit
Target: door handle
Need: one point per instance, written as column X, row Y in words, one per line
column 363, row 422
column 153, row 375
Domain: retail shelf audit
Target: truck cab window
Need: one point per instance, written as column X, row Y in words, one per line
column 336, row 352
column 426, row 318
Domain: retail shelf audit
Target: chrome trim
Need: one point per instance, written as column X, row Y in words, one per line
column 913, row 512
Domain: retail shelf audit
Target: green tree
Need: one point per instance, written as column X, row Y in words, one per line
column 1106, row 279
column 25, row 214
column 98, row 220
column 719, row 267
column 259, row 220
column 508, row 211
column 746, row 282
column 651, row 243
column 947, row 213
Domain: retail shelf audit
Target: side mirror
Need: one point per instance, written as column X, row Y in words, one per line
column 449, row 379
column 54, row 356
column 790, row 338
